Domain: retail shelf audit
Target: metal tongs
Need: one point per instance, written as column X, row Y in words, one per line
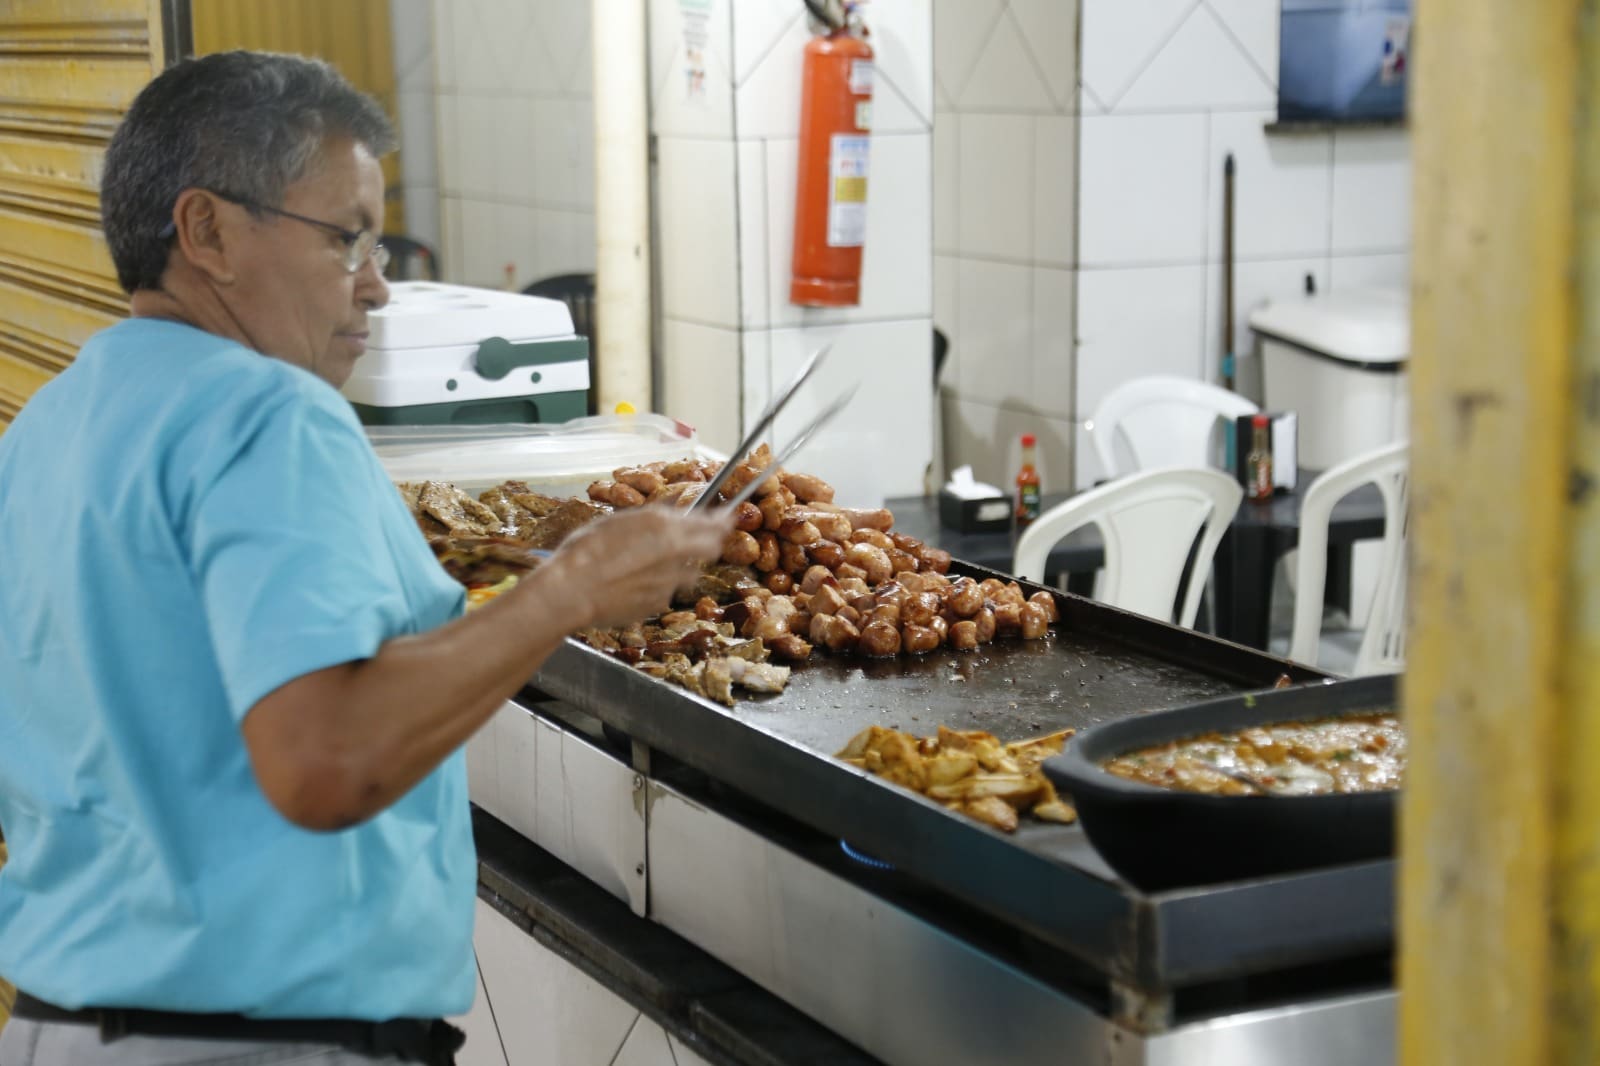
column 707, row 498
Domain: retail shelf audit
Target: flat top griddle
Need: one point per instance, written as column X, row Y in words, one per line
column 1099, row 663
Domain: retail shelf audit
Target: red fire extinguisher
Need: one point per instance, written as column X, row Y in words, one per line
column 830, row 213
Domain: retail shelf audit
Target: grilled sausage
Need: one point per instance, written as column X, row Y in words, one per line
column 814, row 578
column 707, row 610
column 879, row 638
column 684, row 470
column 965, row 598
column 902, row 560
column 1047, row 602
column 780, row 582
column 748, row 517
column 802, row 533
column 875, row 537
column 964, row 635
column 770, row 555
column 835, row 634
column 849, row 614
column 886, row 612
column 1007, row 618
column 1033, row 620
column 984, row 623
column 921, row 609
column 827, row 553
column 935, row 559
column 918, row 639
column 808, row 488
column 740, row 549
column 615, row 493
column 850, row 570
column 641, row 479
column 774, row 507
column 792, row 557
column 790, row 646
column 872, row 559
column 873, row 518
column 826, row 600
column 852, row 586
column 834, row 527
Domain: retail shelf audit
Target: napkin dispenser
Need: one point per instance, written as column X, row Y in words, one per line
column 969, row 506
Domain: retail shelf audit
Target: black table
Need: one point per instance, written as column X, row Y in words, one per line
column 1256, row 539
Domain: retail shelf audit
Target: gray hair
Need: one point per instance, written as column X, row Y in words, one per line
column 249, row 124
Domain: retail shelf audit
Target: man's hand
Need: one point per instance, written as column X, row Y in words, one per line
column 626, row 567
column 337, row 746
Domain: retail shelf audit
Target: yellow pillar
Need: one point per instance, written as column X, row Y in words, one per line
column 1500, row 913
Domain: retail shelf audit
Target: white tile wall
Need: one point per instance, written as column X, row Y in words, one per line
column 1142, row 189
column 1050, row 29
column 1254, row 25
column 1371, row 191
column 1282, row 187
column 996, row 186
column 700, row 372
column 1136, row 322
column 725, row 214
column 875, row 449
column 1351, row 271
column 946, row 181
column 960, row 30
column 993, row 348
column 1006, row 77
column 1055, row 184
column 674, row 109
column 511, row 107
column 1006, row 217
column 1200, row 67
column 1120, row 39
column 697, row 236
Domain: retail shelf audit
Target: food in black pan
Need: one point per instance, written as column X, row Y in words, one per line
column 1354, row 753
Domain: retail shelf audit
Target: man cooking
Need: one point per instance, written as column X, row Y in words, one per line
column 234, row 682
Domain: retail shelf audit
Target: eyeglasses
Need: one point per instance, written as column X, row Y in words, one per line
column 359, row 244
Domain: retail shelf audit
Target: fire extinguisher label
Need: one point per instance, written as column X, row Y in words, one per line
column 847, row 191
column 861, row 77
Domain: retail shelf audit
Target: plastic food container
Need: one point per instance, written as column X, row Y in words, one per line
column 556, row 460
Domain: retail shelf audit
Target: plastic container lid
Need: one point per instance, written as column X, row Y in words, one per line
column 1368, row 327
column 556, row 460
column 430, row 314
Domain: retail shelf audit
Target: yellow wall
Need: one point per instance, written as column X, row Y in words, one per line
column 68, row 69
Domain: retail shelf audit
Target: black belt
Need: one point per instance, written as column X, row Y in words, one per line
column 430, row 1041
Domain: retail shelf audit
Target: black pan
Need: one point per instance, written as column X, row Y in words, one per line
column 1161, row 838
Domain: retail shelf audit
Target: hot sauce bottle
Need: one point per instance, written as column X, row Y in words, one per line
column 1258, row 464
column 1028, row 490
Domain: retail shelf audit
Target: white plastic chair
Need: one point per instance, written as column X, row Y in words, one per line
column 1149, row 522
column 1383, row 646
column 1161, row 422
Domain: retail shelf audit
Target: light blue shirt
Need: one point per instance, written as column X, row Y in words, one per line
column 186, row 525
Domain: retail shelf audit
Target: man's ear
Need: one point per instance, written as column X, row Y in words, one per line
column 202, row 236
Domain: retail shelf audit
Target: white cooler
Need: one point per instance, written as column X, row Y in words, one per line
column 1340, row 362
column 449, row 355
